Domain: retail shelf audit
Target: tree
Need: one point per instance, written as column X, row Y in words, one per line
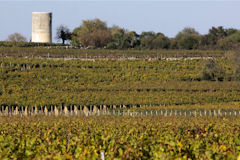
column 99, row 38
column 188, row 38
column 187, row 31
column 173, row 43
column 116, row 30
column 215, row 35
column 146, row 39
column 16, row 37
column 231, row 31
column 94, row 33
column 188, row 42
column 151, row 40
column 63, row 33
column 117, row 35
column 123, row 39
column 235, row 37
column 230, row 42
column 161, row 42
column 134, row 39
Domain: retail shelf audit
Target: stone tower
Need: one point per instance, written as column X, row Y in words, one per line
column 42, row 27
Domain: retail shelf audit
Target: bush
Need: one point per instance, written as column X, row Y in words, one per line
column 212, row 71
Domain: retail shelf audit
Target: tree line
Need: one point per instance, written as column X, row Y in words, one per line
column 96, row 34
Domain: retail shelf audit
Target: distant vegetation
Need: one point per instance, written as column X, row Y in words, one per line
column 16, row 37
column 95, row 33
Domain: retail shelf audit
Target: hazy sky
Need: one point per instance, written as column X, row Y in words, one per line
column 168, row 17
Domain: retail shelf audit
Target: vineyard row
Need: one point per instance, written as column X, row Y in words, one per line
column 103, row 110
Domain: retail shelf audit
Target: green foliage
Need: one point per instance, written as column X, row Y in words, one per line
column 215, row 34
column 235, row 37
column 188, row 38
column 92, row 33
column 95, row 34
column 161, row 42
column 173, row 43
column 186, row 32
column 219, row 38
column 112, row 45
column 188, row 42
column 147, row 39
column 123, row 39
column 232, row 41
column 150, row 40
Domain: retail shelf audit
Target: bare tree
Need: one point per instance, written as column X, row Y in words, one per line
column 16, row 37
column 63, row 33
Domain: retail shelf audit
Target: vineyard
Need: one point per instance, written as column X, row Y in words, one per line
column 65, row 52
column 114, row 108
column 145, row 137
column 37, row 82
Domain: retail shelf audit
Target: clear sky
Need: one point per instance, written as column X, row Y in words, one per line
column 168, row 17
